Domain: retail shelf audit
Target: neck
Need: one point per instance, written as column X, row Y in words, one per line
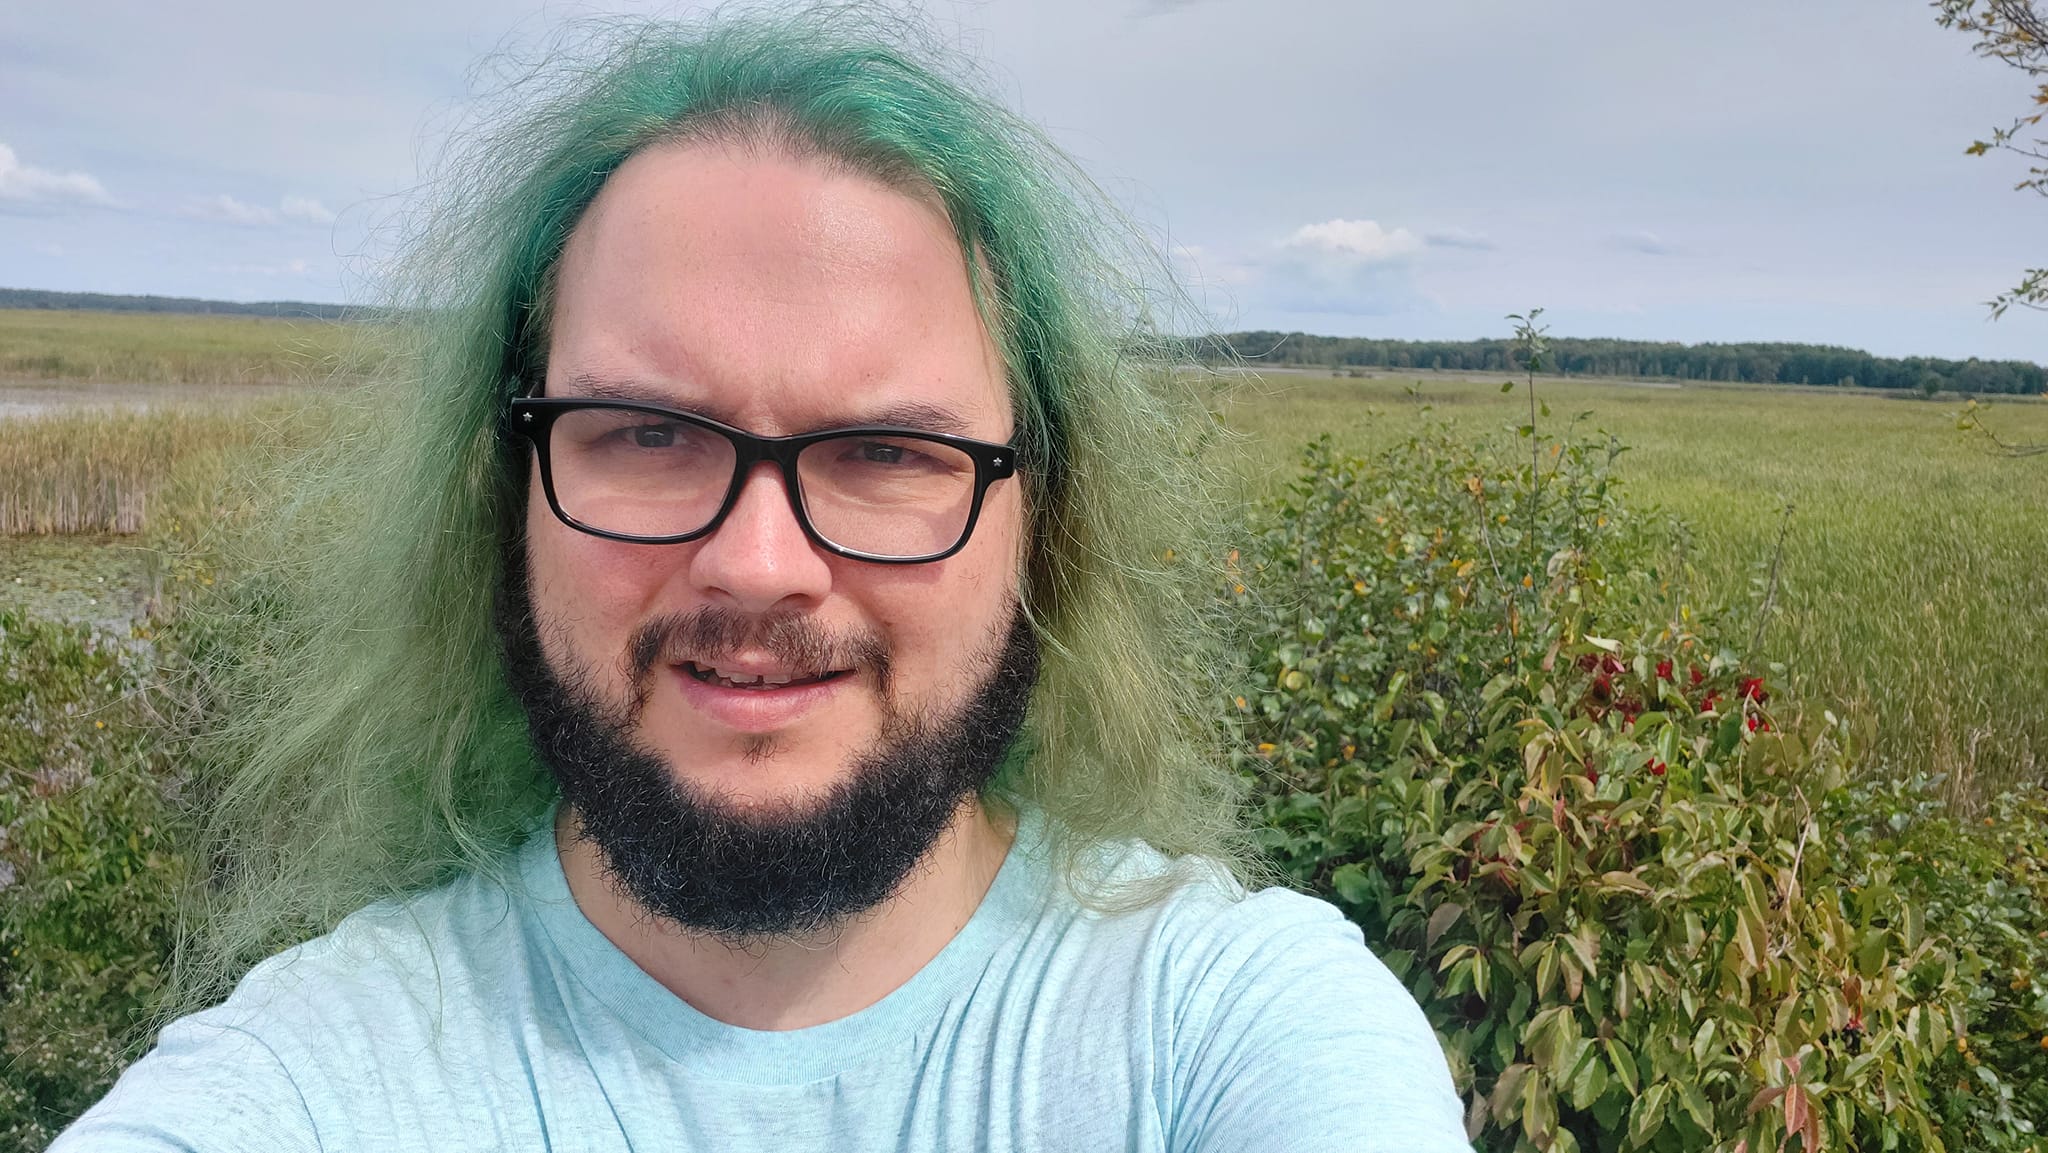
column 793, row 983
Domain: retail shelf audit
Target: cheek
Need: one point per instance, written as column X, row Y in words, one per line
column 589, row 593
column 944, row 616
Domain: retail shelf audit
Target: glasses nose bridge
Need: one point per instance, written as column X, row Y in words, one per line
column 749, row 450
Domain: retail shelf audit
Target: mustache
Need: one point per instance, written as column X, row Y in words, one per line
column 709, row 633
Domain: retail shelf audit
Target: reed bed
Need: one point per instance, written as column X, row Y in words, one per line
column 99, row 470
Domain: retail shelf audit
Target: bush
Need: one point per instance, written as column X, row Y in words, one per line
column 1642, row 900
column 91, row 869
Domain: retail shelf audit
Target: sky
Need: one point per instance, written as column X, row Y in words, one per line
column 1741, row 170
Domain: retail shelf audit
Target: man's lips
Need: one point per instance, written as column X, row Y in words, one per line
column 756, row 679
column 756, row 705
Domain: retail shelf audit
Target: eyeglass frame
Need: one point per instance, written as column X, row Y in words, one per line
column 533, row 417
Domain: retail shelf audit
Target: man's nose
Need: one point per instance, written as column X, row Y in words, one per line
column 759, row 555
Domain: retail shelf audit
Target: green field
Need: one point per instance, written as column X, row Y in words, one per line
column 132, row 348
column 1914, row 578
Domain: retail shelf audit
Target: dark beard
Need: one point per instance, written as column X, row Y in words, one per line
column 693, row 858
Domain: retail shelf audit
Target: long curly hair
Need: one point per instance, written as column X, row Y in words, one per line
column 362, row 742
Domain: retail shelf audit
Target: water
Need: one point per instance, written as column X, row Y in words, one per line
column 29, row 398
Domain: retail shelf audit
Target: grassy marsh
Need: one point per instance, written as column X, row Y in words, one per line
column 125, row 348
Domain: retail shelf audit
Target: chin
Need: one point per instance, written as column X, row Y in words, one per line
column 762, row 775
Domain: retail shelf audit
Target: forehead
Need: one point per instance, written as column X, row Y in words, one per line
column 775, row 292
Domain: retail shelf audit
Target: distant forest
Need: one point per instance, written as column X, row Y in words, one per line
column 1747, row 363
column 105, row 302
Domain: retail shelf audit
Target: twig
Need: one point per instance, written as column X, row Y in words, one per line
column 1763, row 613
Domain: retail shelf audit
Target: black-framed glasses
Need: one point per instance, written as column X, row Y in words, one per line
column 639, row 472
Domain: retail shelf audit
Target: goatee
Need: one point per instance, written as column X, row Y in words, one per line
column 750, row 873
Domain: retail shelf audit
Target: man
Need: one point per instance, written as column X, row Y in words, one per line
column 775, row 483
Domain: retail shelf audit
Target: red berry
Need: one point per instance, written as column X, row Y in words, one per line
column 1664, row 670
column 1657, row 768
column 1697, row 675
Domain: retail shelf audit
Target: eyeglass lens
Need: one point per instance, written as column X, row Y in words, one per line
column 643, row 474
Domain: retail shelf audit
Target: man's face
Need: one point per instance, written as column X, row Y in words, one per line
column 779, row 296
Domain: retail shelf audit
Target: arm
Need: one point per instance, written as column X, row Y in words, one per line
column 1296, row 1039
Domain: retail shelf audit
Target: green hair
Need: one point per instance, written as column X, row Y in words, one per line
column 366, row 745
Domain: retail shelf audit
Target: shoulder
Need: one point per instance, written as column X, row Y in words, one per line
column 1284, row 1022
column 317, row 1024
column 204, row 1087
column 1203, row 929
column 419, row 958
column 1263, row 956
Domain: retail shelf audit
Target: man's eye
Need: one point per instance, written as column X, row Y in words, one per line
column 877, row 453
column 653, row 435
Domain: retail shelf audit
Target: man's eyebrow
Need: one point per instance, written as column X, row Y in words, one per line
column 919, row 415
column 585, row 384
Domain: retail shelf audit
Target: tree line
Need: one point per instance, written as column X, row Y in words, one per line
column 1749, row 363
column 38, row 298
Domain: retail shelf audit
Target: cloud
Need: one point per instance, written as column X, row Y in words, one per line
column 307, row 209
column 1198, row 266
column 225, row 209
column 1458, row 238
column 1642, row 241
column 295, row 267
column 1352, row 242
column 25, row 183
column 1353, row 267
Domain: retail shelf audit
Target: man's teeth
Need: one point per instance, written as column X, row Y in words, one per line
column 751, row 680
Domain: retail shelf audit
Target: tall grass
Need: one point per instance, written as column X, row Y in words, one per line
column 178, row 348
column 1912, row 589
column 102, row 471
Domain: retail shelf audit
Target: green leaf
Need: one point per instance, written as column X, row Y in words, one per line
column 1352, row 883
column 1625, row 882
column 1695, row 1105
column 1624, row 1063
column 1440, row 922
column 1509, row 386
column 1589, row 1080
column 1610, row 1109
column 1647, row 1117
column 1539, row 1110
column 1703, row 1042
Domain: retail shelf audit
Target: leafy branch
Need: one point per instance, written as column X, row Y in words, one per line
column 2016, row 33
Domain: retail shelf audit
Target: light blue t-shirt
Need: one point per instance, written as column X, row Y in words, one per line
column 482, row 1016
